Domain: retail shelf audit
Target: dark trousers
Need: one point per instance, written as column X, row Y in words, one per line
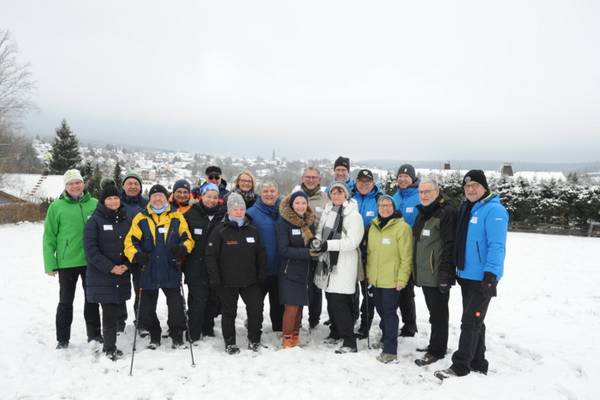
column 315, row 304
column 149, row 319
column 253, row 298
column 270, row 286
column 340, row 308
column 386, row 302
column 67, row 280
column 111, row 313
column 407, row 307
column 437, row 304
column 471, row 345
column 197, row 302
column 213, row 309
column 367, row 308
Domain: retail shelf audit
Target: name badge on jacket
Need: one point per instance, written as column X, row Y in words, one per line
column 161, row 229
column 296, row 232
column 250, row 239
column 473, row 220
column 409, row 210
column 370, row 213
column 386, row 241
column 108, row 227
column 426, row 232
column 197, row 231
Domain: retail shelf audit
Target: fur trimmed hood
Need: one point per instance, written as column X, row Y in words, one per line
column 288, row 214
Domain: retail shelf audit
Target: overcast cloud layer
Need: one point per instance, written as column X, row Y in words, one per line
column 511, row 80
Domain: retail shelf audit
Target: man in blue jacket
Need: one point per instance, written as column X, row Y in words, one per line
column 480, row 247
column 407, row 199
column 366, row 195
column 264, row 215
column 341, row 173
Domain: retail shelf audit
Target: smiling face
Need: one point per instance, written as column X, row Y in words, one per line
column 404, row 181
column 364, row 186
column 182, row 196
column 338, row 196
column 428, row 193
column 474, row 191
column 158, row 200
column 385, row 208
column 210, row 199
column 245, row 183
column 74, row 188
column 112, row 202
column 132, row 187
column 237, row 212
column 311, row 179
column 268, row 195
column 300, row 205
column 340, row 174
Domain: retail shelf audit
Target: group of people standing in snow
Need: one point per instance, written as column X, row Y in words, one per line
column 345, row 240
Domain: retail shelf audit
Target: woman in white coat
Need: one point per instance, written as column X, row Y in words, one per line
column 336, row 243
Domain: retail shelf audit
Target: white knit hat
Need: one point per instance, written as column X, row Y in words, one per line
column 72, row 175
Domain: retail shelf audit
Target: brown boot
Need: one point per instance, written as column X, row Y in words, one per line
column 288, row 341
column 295, row 340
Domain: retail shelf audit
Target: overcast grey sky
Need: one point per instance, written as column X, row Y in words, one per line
column 422, row 80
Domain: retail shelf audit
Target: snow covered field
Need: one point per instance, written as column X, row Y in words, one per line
column 542, row 341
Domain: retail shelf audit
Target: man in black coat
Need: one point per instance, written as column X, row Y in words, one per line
column 202, row 218
column 236, row 264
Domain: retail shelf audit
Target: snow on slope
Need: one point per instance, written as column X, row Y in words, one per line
column 541, row 341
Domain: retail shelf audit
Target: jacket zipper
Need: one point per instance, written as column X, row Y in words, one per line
column 478, row 253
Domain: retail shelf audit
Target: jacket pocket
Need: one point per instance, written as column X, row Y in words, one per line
column 431, row 262
column 295, row 273
column 478, row 252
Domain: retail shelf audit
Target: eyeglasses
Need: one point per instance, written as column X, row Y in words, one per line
column 311, row 178
column 214, row 177
column 245, row 181
column 383, row 205
column 426, row 192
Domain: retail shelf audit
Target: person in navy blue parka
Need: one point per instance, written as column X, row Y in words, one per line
column 107, row 274
column 264, row 215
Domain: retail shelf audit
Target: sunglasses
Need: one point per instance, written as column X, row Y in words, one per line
column 214, row 177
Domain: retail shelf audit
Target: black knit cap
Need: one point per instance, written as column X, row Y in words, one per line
column 408, row 170
column 108, row 191
column 213, row 169
column 295, row 195
column 476, row 175
column 158, row 189
column 342, row 162
column 182, row 183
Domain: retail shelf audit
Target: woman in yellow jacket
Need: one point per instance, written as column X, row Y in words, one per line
column 389, row 263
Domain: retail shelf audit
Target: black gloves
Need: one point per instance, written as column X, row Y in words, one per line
column 488, row 285
column 178, row 250
column 323, row 247
column 141, row 258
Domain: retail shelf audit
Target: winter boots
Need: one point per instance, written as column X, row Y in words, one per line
column 290, row 341
column 386, row 358
column 426, row 360
column 232, row 349
column 445, row 374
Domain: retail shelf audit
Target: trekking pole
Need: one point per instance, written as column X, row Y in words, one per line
column 137, row 323
column 187, row 324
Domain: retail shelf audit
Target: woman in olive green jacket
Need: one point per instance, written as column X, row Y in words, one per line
column 389, row 264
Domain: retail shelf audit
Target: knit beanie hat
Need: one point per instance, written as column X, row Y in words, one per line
column 408, row 170
column 384, row 197
column 108, row 191
column 476, row 175
column 235, row 200
column 158, row 189
column 72, row 175
column 342, row 162
column 182, row 183
column 132, row 175
column 342, row 186
column 297, row 194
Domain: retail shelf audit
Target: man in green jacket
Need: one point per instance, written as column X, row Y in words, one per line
column 63, row 254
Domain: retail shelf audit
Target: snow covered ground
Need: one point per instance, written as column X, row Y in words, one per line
column 542, row 342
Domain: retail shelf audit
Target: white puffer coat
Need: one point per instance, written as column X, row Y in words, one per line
column 343, row 278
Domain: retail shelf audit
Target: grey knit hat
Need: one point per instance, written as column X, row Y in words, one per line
column 342, row 186
column 235, row 200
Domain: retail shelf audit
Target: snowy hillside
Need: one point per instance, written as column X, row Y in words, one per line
column 541, row 342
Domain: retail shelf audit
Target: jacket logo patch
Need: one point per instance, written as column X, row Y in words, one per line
column 230, row 242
